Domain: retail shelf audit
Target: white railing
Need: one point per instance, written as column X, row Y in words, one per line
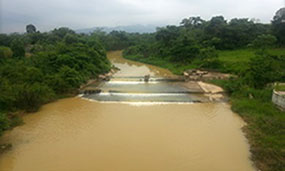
column 278, row 98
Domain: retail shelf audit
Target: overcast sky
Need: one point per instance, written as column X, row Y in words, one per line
column 75, row 14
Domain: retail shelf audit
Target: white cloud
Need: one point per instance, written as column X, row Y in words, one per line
column 47, row 14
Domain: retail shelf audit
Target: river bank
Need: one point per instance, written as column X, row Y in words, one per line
column 16, row 116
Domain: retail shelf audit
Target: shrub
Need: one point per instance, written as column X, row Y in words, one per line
column 4, row 122
column 5, row 52
column 263, row 69
column 31, row 96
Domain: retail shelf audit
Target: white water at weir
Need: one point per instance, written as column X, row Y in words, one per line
column 151, row 91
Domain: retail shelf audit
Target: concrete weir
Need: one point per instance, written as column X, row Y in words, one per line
column 155, row 89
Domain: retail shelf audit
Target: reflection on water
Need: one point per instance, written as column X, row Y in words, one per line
column 79, row 135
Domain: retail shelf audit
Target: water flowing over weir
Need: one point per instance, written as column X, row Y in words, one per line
column 135, row 89
column 132, row 125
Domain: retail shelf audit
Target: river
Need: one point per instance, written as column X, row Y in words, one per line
column 81, row 134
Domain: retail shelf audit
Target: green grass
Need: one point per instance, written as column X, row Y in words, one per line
column 233, row 61
column 236, row 61
column 280, row 87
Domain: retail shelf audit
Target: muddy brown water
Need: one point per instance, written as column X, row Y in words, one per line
column 76, row 134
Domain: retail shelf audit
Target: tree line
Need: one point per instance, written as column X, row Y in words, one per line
column 196, row 42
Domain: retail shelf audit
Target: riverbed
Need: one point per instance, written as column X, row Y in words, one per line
column 81, row 134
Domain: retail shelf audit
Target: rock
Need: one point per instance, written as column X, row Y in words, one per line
column 250, row 96
column 200, row 72
column 92, row 91
column 102, row 77
column 146, row 78
column 186, row 74
column 194, row 77
column 5, row 147
column 105, row 77
column 215, row 97
column 112, row 71
column 190, row 71
column 109, row 74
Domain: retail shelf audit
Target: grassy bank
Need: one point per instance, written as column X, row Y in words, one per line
column 232, row 61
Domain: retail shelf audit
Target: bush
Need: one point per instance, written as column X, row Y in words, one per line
column 18, row 48
column 5, row 52
column 264, row 41
column 31, row 96
column 70, row 76
column 263, row 69
column 4, row 122
column 7, row 97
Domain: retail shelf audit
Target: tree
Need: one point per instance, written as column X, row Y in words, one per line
column 192, row 22
column 4, row 122
column 31, row 28
column 70, row 76
column 70, row 38
column 167, row 35
column 264, row 41
column 215, row 26
column 239, row 33
column 61, row 32
column 5, row 40
column 31, row 96
column 263, row 69
column 17, row 47
column 5, row 52
column 278, row 25
column 184, row 50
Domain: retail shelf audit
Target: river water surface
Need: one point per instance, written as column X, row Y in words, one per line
column 77, row 134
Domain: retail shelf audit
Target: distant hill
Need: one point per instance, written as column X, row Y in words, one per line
column 129, row 29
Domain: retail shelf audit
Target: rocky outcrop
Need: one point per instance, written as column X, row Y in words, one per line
column 91, row 91
column 107, row 77
column 85, row 89
column 203, row 75
column 213, row 92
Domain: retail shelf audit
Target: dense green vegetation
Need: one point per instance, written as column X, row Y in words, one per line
column 36, row 68
column 254, row 52
column 228, row 61
column 118, row 40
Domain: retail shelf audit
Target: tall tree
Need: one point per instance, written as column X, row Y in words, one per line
column 278, row 25
column 31, row 28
